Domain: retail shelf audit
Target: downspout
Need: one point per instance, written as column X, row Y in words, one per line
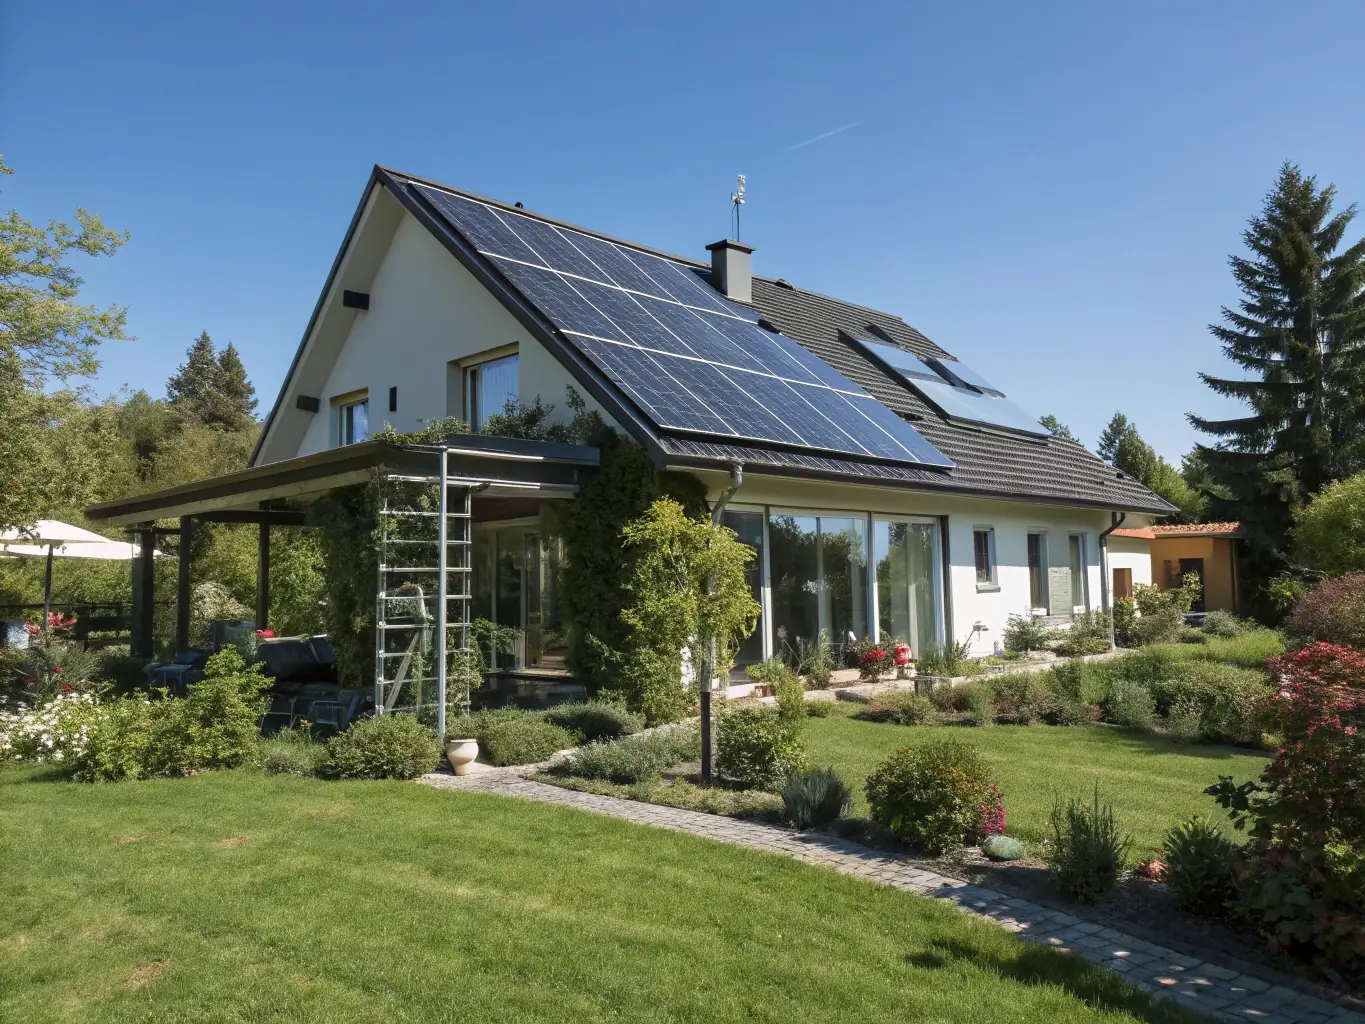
column 704, row 686
column 736, row 479
column 1116, row 519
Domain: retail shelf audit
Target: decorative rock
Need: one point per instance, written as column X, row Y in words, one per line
column 1002, row 848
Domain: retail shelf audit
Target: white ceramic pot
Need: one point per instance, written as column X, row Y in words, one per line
column 461, row 754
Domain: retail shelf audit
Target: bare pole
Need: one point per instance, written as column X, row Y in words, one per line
column 443, row 540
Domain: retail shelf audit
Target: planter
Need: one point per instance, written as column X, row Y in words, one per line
column 461, row 754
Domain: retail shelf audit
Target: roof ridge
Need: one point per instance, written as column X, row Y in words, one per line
column 545, row 218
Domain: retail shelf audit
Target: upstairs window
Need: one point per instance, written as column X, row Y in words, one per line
column 488, row 387
column 983, row 547
column 352, row 417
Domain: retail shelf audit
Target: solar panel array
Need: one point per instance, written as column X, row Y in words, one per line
column 689, row 359
column 956, row 390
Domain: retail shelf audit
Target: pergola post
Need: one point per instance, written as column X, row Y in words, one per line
column 182, row 593
column 263, row 576
column 141, row 644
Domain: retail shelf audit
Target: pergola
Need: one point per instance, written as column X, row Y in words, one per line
column 498, row 477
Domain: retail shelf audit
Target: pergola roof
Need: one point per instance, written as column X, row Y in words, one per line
column 499, row 466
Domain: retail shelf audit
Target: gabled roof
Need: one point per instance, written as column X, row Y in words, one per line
column 990, row 463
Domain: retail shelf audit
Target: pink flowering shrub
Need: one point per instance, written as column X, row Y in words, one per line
column 1302, row 874
column 993, row 812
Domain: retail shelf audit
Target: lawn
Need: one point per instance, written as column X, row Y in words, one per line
column 1152, row 782
column 242, row 897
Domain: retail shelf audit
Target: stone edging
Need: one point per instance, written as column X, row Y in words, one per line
column 1220, row 992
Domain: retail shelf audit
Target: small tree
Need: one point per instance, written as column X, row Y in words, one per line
column 1329, row 532
column 687, row 588
column 1058, row 428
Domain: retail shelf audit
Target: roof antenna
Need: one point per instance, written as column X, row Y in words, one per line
column 737, row 197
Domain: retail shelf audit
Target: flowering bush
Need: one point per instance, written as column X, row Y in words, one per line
column 993, row 812
column 934, row 797
column 54, row 732
column 874, row 661
column 1302, row 874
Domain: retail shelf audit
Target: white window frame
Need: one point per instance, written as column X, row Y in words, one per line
column 992, row 584
column 869, row 594
column 940, row 597
column 466, row 368
column 340, row 405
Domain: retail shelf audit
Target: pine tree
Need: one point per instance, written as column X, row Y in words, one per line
column 1058, row 428
column 191, row 391
column 1112, row 434
column 212, row 387
column 1299, row 331
column 236, row 394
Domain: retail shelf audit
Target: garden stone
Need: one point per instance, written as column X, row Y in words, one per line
column 1002, row 848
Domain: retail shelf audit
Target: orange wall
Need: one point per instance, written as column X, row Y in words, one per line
column 1217, row 553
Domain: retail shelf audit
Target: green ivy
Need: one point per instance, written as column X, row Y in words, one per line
column 597, row 569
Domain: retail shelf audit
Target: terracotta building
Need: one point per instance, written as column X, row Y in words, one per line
column 1162, row 555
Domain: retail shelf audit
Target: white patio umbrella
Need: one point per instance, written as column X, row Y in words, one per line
column 49, row 538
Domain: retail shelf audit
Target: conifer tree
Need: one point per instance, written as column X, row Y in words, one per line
column 192, row 388
column 1299, row 331
column 1112, row 434
column 238, row 397
column 1058, row 428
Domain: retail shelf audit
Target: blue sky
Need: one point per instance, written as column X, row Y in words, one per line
column 1050, row 191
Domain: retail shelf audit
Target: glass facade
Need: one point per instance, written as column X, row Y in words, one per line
column 517, row 583
column 819, row 582
column 491, row 386
column 907, row 589
column 748, row 527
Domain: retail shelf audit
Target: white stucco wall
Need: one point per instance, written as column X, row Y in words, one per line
column 1132, row 553
column 427, row 310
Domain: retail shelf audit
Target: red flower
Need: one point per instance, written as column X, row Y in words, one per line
column 903, row 656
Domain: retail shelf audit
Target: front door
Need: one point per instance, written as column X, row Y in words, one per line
column 1196, row 566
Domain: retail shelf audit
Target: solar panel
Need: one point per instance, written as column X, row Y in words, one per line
column 691, row 360
column 942, row 392
column 964, row 376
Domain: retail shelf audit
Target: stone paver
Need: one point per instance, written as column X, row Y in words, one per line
column 1207, row 988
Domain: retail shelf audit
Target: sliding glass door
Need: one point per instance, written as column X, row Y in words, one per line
column 908, row 582
column 818, row 577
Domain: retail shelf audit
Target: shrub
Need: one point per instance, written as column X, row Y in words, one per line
column 1072, row 646
column 634, row 759
column 1185, row 720
column 1125, row 622
column 291, row 752
column 1020, row 698
column 821, row 708
column 1024, row 633
column 1085, row 851
column 1190, row 635
column 1148, row 667
column 791, row 701
column 815, row 660
column 509, row 736
column 934, row 797
column 874, row 661
column 1069, row 704
column 1164, row 625
column 948, row 659
column 757, row 746
column 1198, row 859
column 1224, row 624
column 1329, row 531
column 52, row 733
column 900, row 707
column 595, row 720
column 814, row 798
column 1302, row 873
column 1131, row 706
column 391, row 746
column 1332, row 612
column 772, row 672
column 214, row 726
column 1231, row 700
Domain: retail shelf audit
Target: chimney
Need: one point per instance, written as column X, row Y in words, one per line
column 731, row 269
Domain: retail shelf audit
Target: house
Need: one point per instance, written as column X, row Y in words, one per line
column 1163, row 555
column 884, row 483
